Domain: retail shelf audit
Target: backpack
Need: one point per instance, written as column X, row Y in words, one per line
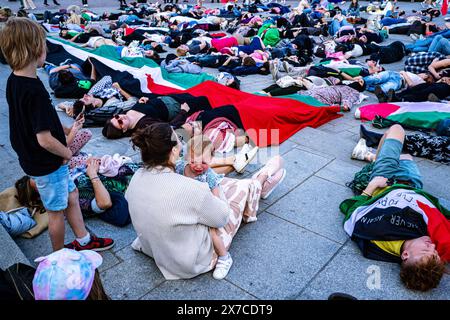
column 361, row 179
column 97, row 117
column 16, row 283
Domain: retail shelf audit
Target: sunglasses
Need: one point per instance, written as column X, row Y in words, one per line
column 120, row 121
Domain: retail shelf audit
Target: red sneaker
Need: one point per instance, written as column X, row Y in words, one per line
column 96, row 244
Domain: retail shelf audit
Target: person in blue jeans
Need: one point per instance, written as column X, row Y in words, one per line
column 441, row 45
column 386, row 80
column 337, row 22
column 424, row 44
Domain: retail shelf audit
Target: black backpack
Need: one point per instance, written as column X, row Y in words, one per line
column 97, row 117
column 16, row 283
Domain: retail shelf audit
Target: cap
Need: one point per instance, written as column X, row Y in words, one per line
column 65, row 275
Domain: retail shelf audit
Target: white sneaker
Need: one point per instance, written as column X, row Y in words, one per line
column 361, row 151
column 136, row 245
column 357, row 114
column 223, row 266
column 244, row 157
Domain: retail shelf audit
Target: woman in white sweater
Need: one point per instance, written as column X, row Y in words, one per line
column 171, row 213
column 174, row 216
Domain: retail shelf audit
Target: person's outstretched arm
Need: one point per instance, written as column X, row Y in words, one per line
column 102, row 197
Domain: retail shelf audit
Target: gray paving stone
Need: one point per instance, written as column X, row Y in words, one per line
column 315, row 210
column 10, row 253
column 349, row 272
column 435, row 180
column 339, row 172
column 136, row 276
column 203, row 287
column 100, row 146
column 122, row 237
column 41, row 245
column 274, row 259
column 299, row 166
column 109, row 260
column 11, row 169
column 326, row 143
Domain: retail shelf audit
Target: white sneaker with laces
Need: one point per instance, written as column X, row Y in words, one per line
column 361, row 151
column 244, row 157
column 223, row 266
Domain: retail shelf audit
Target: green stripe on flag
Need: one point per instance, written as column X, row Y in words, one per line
column 420, row 119
column 305, row 99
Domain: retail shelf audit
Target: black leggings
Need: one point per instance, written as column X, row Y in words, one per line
column 228, row 111
column 421, row 91
column 276, row 90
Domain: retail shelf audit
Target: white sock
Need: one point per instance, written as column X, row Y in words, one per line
column 85, row 240
column 226, row 257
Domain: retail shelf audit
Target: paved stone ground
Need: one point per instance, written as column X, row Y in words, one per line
column 296, row 250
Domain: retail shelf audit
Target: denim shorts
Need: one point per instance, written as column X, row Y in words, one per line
column 54, row 189
column 389, row 165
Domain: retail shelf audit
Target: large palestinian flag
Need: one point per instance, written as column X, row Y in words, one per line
column 410, row 114
column 267, row 120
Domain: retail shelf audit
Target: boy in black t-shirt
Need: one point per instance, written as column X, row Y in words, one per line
column 38, row 137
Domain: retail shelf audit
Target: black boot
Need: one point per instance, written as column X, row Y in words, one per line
column 56, row 2
column 372, row 138
column 380, row 94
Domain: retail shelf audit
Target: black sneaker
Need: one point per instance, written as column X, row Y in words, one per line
column 390, row 95
column 433, row 98
column 380, row 94
column 341, row 296
column 372, row 138
column 96, row 244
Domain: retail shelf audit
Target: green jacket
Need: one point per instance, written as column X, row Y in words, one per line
column 348, row 206
column 270, row 36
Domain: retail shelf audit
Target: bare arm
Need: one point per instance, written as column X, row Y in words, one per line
column 102, row 196
column 407, row 79
column 121, row 91
column 436, row 65
column 432, row 68
column 57, row 69
column 73, row 39
column 52, row 145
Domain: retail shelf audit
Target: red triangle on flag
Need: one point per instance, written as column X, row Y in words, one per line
column 444, row 7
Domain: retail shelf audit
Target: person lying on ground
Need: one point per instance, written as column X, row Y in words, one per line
column 395, row 194
column 433, row 147
column 171, row 109
column 68, row 80
column 418, row 91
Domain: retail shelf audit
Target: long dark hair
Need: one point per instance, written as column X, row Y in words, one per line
column 354, row 5
column 155, row 142
column 97, row 291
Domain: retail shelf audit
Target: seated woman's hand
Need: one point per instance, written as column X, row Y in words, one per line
column 116, row 85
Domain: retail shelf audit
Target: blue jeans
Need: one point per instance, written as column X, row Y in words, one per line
column 386, row 80
column 424, row 44
column 391, row 21
column 389, row 165
column 336, row 25
column 441, row 45
column 54, row 189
